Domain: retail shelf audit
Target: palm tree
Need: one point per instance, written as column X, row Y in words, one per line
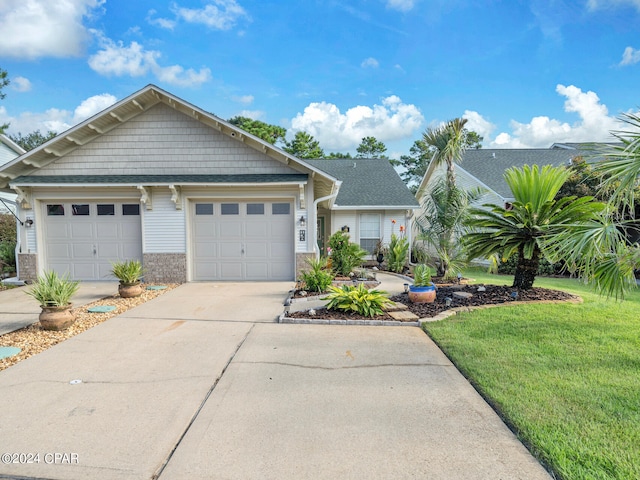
column 445, row 213
column 621, row 167
column 536, row 225
column 449, row 143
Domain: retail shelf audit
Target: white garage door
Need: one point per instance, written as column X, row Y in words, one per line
column 84, row 238
column 242, row 240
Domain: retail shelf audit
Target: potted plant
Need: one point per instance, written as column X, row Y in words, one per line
column 129, row 272
column 422, row 290
column 380, row 251
column 54, row 294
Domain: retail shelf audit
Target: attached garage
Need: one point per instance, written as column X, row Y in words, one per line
column 242, row 240
column 83, row 238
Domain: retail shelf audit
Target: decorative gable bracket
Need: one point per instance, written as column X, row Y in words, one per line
column 146, row 197
column 24, row 197
column 176, row 196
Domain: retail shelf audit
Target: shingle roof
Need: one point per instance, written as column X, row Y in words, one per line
column 370, row 182
column 158, row 179
column 488, row 165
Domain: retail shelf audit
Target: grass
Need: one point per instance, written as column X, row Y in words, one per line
column 564, row 377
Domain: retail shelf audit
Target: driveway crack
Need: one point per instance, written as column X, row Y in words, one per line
column 202, row 404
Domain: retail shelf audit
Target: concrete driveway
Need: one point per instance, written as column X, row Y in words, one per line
column 186, row 386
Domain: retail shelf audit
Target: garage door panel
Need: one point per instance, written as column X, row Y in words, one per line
column 249, row 241
column 86, row 245
column 232, row 250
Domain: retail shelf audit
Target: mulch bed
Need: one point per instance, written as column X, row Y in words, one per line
column 493, row 295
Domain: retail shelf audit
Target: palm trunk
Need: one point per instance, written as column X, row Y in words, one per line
column 526, row 270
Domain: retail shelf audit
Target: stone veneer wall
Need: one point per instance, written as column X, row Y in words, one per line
column 165, row 267
column 301, row 263
column 28, row 267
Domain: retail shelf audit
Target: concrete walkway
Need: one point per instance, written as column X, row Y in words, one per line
column 200, row 383
column 18, row 310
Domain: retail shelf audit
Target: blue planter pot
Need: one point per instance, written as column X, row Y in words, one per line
column 426, row 294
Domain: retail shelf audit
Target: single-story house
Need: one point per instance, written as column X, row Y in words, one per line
column 8, row 151
column 193, row 197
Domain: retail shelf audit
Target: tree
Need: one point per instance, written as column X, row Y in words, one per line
column 536, row 225
column 443, row 222
column 265, row 131
column 338, row 155
column 4, row 81
column 33, row 139
column 304, row 145
column 449, row 143
column 371, row 148
column 473, row 140
column 414, row 165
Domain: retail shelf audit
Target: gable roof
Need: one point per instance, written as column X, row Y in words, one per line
column 9, row 149
column 367, row 183
column 489, row 165
column 134, row 105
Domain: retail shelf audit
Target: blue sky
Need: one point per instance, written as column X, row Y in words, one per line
column 524, row 73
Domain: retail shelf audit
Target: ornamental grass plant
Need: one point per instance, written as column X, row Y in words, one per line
column 52, row 290
column 128, row 272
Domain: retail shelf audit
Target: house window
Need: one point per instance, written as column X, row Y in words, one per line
column 80, row 210
column 369, row 231
column 255, row 208
column 106, row 209
column 55, row 210
column 131, row 209
column 204, row 208
column 230, row 208
column 280, row 208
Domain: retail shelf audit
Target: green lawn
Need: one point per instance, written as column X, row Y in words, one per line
column 565, row 377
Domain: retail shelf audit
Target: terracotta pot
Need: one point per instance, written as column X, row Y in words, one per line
column 130, row 290
column 425, row 294
column 56, row 318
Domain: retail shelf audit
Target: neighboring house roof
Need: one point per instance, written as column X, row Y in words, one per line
column 369, row 183
column 134, row 105
column 489, row 165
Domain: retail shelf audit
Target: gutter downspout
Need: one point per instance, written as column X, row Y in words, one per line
column 316, row 247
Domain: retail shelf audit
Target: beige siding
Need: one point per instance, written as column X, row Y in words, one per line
column 163, row 141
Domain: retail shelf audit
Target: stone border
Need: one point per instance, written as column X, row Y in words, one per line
column 323, row 321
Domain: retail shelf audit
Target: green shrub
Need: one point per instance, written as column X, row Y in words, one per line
column 419, row 254
column 345, row 256
column 51, row 290
column 358, row 299
column 317, row 279
column 7, row 256
column 398, row 253
column 128, row 271
column 421, row 275
column 7, row 228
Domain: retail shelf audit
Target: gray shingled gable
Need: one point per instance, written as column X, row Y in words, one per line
column 367, row 182
column 489, row 165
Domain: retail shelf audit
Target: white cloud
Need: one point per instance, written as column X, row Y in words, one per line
column 244, row 99
column 600, row 4
column 594, row 124
column 370, row 63
column 218, row 14
column 20, row 84
column 55, row 119
column 44, row 28
column 160, row 22
column 630, row 56
column 252, row 114
column 393, row 120
column 402, row 5
column 133, row 60
column 477, row 123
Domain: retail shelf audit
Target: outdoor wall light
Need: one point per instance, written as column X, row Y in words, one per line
column 302, row 221
column 28, row 223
